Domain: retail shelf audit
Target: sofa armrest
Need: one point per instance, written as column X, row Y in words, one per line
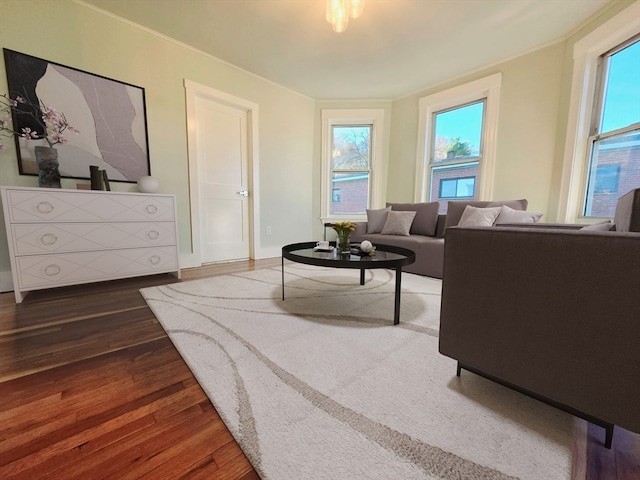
column 359, row 232
column 552, row 311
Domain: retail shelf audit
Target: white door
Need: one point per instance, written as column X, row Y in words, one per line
column 221, row 146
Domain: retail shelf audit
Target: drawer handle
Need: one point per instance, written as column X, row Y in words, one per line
column 151, row 209
column 154, row 260
column 44, row 207
column 52, row 270
column 48, row 239
column 153, row 235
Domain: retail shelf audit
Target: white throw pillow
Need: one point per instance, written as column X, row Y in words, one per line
column 398, row 223
column 509, row 215
column 479, row 217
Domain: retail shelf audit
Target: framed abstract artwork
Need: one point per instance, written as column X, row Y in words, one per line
column 110, row 116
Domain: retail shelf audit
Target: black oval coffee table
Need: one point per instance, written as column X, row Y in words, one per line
column 386, row 256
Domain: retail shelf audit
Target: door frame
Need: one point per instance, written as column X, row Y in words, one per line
column 193, row 90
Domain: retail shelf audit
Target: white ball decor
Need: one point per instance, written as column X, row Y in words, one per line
column 366, row 246
column 148, row 184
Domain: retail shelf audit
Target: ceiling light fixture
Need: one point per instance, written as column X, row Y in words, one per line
column 339, row 11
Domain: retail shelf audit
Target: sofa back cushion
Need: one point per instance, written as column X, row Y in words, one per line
column 426, row 217
column 456, row 208
column 627, row 215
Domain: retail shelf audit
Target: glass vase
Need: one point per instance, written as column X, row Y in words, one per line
column 342, row 243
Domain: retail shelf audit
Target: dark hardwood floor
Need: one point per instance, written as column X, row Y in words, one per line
column 91, row 387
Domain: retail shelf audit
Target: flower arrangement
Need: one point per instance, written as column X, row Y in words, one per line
column 343, row 229
column 52, row 123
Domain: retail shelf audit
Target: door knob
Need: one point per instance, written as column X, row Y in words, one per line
column 244, row 193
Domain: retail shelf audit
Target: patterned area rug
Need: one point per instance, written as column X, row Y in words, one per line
column 323, row 386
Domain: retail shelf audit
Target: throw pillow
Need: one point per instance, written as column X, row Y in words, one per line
column 376, row 219
column 479, row 217
column 509, row 215
column 426, row 216
column 398, row 223
column 456, row 208
column 599, row 227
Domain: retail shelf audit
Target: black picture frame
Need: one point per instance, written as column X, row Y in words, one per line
column 110, row 115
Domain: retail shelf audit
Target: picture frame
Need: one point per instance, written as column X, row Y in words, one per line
column 109, row 114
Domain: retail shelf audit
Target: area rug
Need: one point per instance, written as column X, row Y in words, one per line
column 322, row 385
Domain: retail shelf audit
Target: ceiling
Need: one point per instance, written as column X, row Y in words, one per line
column 397, row 47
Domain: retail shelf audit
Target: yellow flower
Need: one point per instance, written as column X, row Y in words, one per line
column 344, row 226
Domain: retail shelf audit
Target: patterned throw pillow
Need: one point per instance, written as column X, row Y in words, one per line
column 398, row 223
column 479, row 217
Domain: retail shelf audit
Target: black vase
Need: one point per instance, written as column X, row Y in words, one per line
column 48, row 167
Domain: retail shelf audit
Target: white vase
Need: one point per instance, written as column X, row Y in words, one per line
column 148, row 184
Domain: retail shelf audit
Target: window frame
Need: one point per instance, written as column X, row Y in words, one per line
column 487, row 89
column 351, row 117
column 587, row 53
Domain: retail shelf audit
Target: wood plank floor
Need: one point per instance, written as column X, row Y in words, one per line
column 91, row 387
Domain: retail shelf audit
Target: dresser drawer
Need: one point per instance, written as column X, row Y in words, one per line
column 30, row 238
column 41, row 271
column 43, row 206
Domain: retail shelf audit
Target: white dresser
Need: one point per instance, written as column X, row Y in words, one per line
column 63, row 237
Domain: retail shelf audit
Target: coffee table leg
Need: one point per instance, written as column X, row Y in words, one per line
column 362, row 276
column 396, row 311
column 282, row 278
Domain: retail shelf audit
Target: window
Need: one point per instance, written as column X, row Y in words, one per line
column 456, row 152
column 599, row 134
column 456, row 144
column 351, row 148
column 464, row 187
column 350, row 168
column 614, row 143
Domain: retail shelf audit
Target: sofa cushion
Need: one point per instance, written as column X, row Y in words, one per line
column 376, row 219
column 627, row 215
column 456, row 208
column 398, row 223
column 479, row 217
column 599, row 227
column 426, row 216
column 509, row 215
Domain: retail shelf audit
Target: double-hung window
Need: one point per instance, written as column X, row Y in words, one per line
column 600, row 159
column 351, row 149
column 614, row 141
column 457, row 142
column 456, row 152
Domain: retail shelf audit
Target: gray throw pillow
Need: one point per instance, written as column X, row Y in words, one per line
column 479, row 217
column 376, row 219
column 509, row 215
column 426, row 216
column 398, row 223
column 455, row 208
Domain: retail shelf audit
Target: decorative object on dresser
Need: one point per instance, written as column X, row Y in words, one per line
column 148, row 184
column 61, row 237
column 34, row 121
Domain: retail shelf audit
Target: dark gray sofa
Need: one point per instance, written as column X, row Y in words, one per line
column 426, row 237
column 554, row 313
